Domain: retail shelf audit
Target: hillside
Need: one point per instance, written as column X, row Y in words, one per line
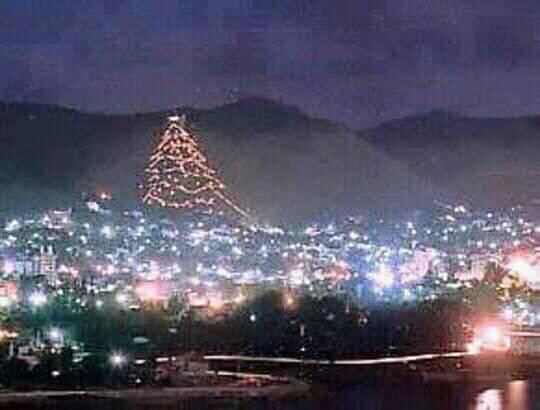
column 276, row 160
column 488, row 162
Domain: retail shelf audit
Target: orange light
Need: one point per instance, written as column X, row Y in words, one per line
column 289, row 301
column 215, row 302
column 489, row 337
column 150, row 291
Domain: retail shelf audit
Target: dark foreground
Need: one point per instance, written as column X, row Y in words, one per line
column 514, row 395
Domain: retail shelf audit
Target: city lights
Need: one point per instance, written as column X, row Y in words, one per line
column 210, row 269
column 37, row 299
column 383, row 278
column 490, row 337
column 56, row 335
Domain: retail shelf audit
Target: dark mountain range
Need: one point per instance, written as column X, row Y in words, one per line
column 276, row 160
column 486, row 162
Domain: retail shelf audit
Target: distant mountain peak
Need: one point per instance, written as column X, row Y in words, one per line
column 256, row 113
column 260, row 104
column 32, row 108
column 436, row 116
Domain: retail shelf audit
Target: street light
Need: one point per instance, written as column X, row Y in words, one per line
column 117, row 359
column 37, row 298
column 253, row 319
column 55, row 334
column 56, row 337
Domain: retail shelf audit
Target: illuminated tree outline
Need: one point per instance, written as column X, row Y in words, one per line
column 178, row 175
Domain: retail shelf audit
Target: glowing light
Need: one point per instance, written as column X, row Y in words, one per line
column 105, row 196
column 12, row 225
column 117, row 359
column 508, row 314
column 8, row 294
column 491, row 334
column 178, row 175
column 524, row 269
column 489, row 400
column 5, row 302
column 289, row 301
column 150, row 291
column 37, row 298
column 6, row 334
column 55, row 335
column 239, row 299
column 473, row 347
column 383, row 278
column 9, row 267
column 490, row 337
column 215, row 302
column 121, row 298
column 107, row 231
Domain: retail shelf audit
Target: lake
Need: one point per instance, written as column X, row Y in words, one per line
column 515, row 395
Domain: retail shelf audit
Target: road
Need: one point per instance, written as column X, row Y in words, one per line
column 358, row 362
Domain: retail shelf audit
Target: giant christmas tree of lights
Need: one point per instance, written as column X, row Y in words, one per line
column 178, row 175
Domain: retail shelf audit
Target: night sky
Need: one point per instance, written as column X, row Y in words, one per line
column 356, row 61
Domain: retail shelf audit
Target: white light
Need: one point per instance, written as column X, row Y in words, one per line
column 37, row 299
column 117, row 359
column 9, row 267
column 121, row 298
column 55, row 334
column 239, row 299
column 508, row 314
column 383, row 278
column 12, row 226
column 491, row 334
column 5, row 302
column 107, row 231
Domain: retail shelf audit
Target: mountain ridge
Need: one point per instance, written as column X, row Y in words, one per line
column 277, row 160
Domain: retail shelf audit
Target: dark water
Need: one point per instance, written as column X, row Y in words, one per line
column 514, row 395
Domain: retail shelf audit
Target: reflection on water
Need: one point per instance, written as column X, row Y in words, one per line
column 516, row 395
column 489, row 400
column 513, row 396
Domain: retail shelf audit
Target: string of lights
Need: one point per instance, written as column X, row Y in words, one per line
column 178, row 174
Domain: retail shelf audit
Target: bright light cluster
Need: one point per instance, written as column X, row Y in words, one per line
column 490, row 337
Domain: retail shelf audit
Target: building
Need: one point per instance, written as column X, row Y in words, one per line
column 479, row 263
column 8, row 293
column 47, row 263
column 20, row 265
column 58, row 219
column 476, row 267
column 25, row 267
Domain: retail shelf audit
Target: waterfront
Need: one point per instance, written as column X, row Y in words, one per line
column 514, row 395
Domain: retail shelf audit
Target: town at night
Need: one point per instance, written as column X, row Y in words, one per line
column 97, row 295
column 269, row 204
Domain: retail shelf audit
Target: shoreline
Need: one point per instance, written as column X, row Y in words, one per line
column 160, row 395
